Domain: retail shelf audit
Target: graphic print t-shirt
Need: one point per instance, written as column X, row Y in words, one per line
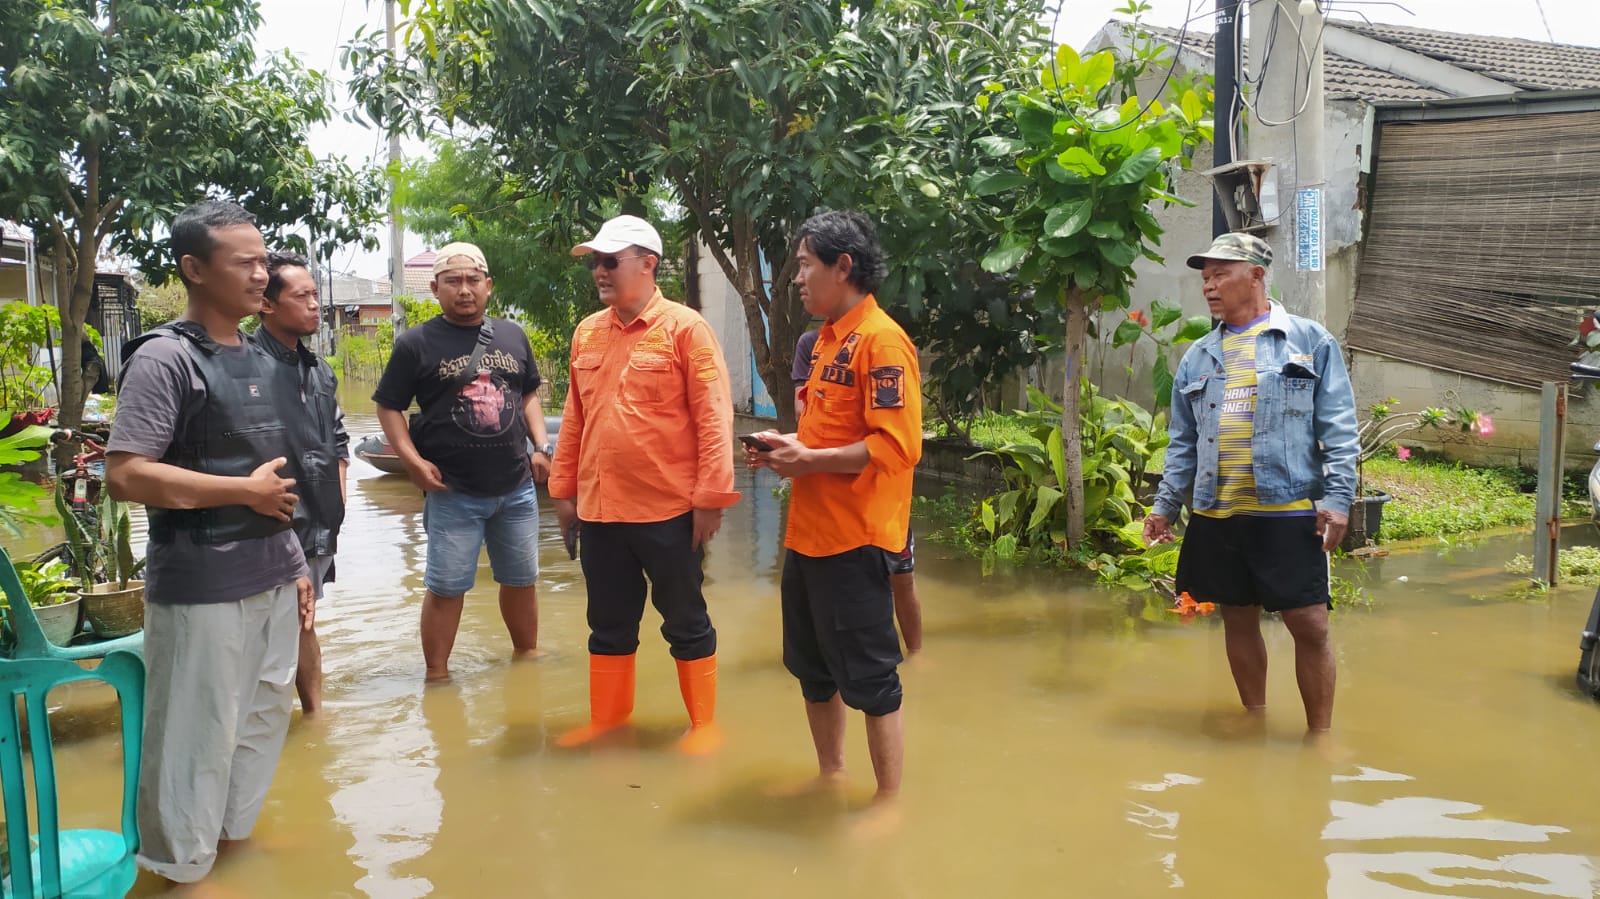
column 1236, row 477
column 474, row 431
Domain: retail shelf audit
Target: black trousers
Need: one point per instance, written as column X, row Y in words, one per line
column 838, row 628
column 617, row 558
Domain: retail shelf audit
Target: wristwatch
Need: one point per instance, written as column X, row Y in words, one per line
column 548, row 450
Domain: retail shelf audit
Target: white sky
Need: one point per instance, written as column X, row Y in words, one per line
column 314, row 30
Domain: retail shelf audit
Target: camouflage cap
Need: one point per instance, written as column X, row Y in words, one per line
column 1235, row 246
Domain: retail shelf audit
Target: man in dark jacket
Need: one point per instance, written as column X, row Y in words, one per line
column 320, row 447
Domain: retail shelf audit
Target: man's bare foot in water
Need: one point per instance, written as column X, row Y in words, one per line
column 878, row 820
column 826, row 783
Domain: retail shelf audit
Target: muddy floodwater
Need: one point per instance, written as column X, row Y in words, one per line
column 1061, row 741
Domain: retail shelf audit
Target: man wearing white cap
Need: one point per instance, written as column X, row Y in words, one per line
column 476, row 387
column 644, row 470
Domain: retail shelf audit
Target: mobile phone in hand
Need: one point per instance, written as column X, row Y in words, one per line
column 571, row 540
column 755, row 443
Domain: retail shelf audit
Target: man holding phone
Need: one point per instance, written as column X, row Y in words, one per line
column 642, row 474
column 851, row 463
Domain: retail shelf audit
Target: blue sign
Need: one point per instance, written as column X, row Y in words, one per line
column 1308, row 229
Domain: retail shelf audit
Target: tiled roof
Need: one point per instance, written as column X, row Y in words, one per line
column 1531, row 65
column 423, row 259
column 1520, row 63
column 1342, row 78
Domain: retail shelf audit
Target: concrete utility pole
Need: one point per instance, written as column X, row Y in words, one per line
column 397, row 234
column 1226, row 134
column 1288, row 126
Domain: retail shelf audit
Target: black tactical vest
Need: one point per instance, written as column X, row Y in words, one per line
column 304, row 391
column 237, row 429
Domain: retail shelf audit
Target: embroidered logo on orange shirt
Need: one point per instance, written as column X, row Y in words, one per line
column 888, row 387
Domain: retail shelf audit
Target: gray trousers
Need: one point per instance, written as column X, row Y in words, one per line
column 219, row 685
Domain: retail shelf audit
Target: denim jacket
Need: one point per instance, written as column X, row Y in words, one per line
column 1305, row 442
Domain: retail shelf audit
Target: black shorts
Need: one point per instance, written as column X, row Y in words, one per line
column 904, row 561
column 1272, row 561
column 838, row 628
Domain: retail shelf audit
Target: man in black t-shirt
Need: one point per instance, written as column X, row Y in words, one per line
column 476, row 387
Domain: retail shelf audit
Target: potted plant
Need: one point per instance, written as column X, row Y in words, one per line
column 53, row 593
column 24, row 333
column 1382, row 427
column 100, row 547
column 115, row 606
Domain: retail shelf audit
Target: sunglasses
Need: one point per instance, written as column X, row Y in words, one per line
column 596, row 260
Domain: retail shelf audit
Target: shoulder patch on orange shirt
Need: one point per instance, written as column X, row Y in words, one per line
column 705, row 363
column 888, row 387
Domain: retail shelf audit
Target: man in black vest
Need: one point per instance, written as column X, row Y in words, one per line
column 197, row 440
column 475, row 382
column 308, row 392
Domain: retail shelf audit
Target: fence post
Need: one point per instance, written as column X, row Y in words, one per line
column 1547, row 518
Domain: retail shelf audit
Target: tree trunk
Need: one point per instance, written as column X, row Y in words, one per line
column 1071, row 401
column 75, row 288
column 773, row 314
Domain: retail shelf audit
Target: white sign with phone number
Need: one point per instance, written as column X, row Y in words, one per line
column 1308, row 229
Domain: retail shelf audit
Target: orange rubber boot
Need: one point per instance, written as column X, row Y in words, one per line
column 697, row 679
column 610, row 698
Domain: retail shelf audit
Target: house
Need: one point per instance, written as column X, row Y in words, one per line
column 28, row 277
column 1453, row 179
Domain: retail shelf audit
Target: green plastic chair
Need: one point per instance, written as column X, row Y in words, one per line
column 71, row 864
column 27, row 638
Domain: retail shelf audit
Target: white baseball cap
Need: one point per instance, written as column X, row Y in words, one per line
column 620, row 233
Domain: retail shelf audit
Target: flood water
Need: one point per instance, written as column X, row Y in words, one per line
column 1058, row 743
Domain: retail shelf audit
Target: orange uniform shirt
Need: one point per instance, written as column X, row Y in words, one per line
column 647, row 430
column 865, row 385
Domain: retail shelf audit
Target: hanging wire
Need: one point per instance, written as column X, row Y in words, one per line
column 1304, row 54
column 1055, row 70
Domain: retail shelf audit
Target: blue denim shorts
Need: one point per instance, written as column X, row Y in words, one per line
column 459, row 526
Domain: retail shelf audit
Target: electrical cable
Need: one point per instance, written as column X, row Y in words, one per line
column 1303, row 54
column 1188, row 16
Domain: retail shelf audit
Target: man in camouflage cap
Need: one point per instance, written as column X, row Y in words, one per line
column 1235, row 246
column 1263, row 423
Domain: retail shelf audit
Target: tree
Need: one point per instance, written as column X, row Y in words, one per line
column 115, row 114
column 1073, row 192
column 753, row 114
column 465, row 193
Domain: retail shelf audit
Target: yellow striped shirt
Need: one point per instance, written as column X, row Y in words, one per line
column 1236, row 478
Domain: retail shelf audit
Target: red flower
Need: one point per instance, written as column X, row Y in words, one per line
column 1139, row 317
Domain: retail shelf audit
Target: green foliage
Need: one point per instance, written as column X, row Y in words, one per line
column 752, row 115
column 465, row 193
column 991, row 429
column 162, row 303
column 24, row 331
column 1118, row 439
column 1577, row 565
column 116, row 115
column 1166, row 328
column 1137, row 569
column 1385, row 425
column 20, row 499
column 1077, row 164
column 46, row 584
column 99, row 538
column 1437, row 499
